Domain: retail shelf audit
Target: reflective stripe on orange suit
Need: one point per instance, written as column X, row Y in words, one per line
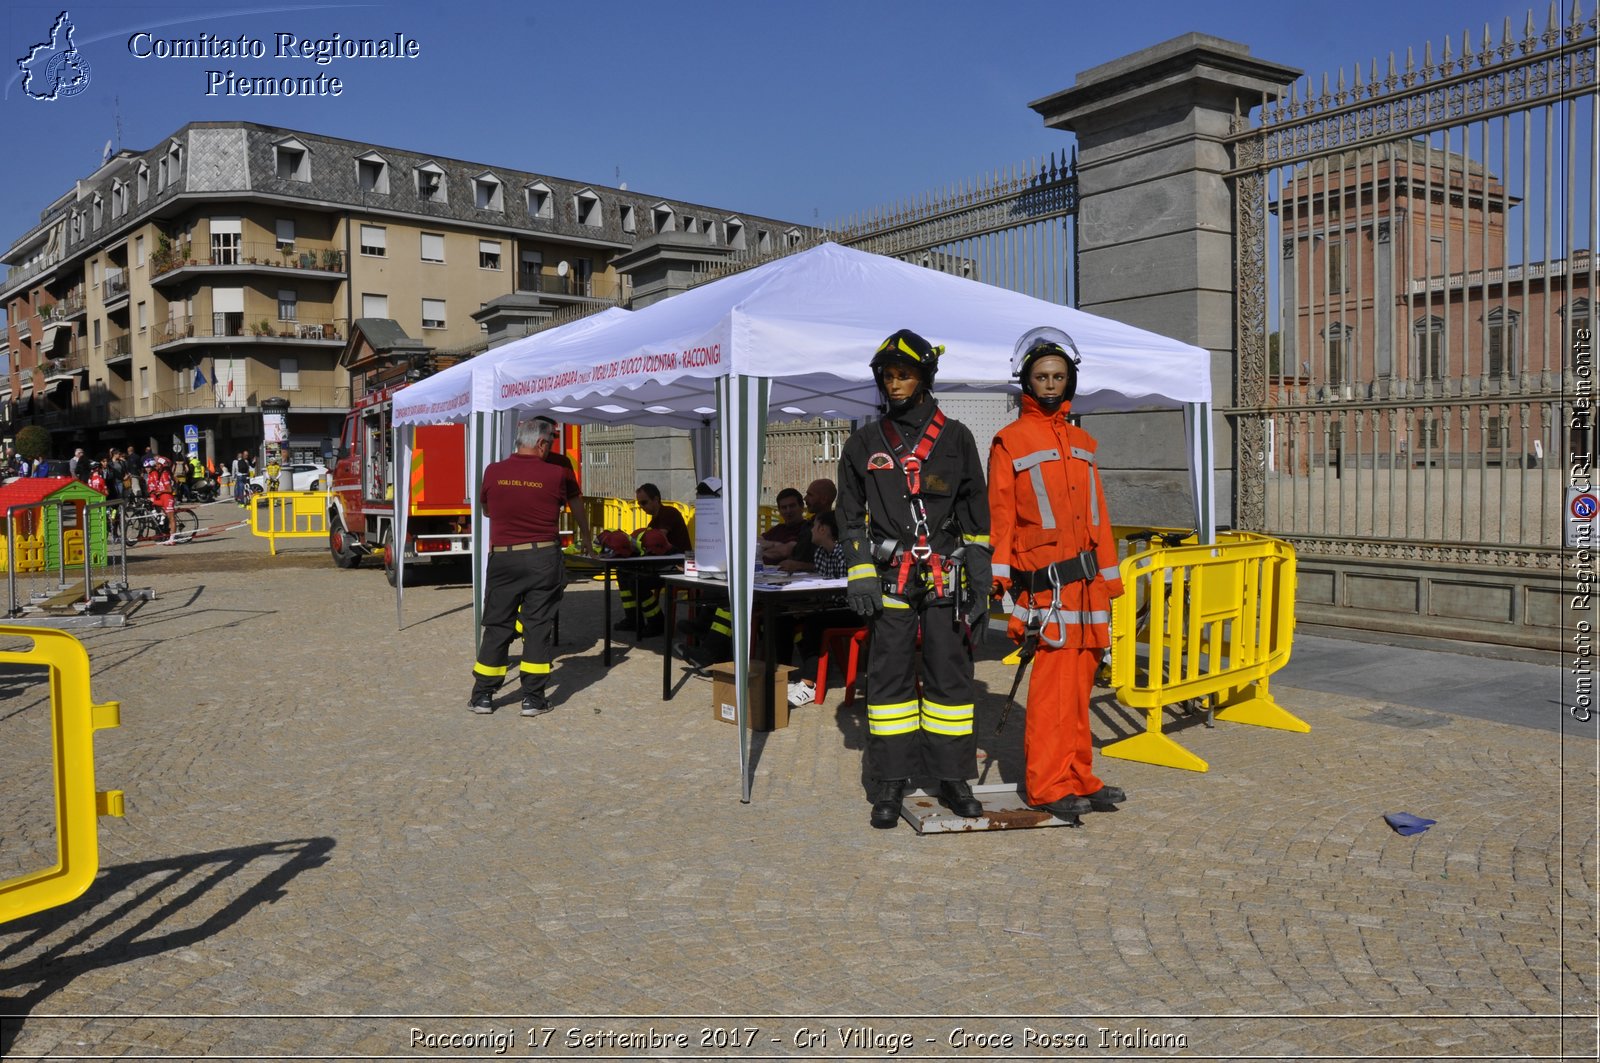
column 1039, row 448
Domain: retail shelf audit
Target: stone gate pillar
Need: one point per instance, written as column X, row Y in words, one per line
column 1155, row 239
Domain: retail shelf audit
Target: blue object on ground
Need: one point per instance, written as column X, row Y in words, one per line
column 1407, row 824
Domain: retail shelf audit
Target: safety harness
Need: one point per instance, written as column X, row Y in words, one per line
column 919, row 554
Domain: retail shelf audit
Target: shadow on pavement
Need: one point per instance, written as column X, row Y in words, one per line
column 137, row 910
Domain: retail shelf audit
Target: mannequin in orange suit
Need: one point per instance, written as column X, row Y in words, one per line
column 1054, row 550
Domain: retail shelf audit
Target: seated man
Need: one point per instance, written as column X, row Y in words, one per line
column 778, row 541
column 819, row 500
column 669, row 521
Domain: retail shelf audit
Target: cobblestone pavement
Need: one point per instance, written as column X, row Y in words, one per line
column 325, row 854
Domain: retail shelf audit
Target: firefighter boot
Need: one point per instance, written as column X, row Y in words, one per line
column 886, row 798
column 1107, row 798
column 957, row 797
column 1068, row 809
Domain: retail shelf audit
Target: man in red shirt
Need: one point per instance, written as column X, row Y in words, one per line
column 522, row 496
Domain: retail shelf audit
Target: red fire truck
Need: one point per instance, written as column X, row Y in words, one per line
column 362, row 516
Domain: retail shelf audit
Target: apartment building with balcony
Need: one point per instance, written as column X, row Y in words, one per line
column 221, row 269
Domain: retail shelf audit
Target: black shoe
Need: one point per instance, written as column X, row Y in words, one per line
column 1067, row 808
column 535, row 705
column 627, row 623
column 886, row 803
column 482, row 704
column 957, row 797
column 653, row 628
column 693, row 629
column 694, row 655
column 1107, row 798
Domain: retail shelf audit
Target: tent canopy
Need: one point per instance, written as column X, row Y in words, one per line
column 810, row 323
column 463, row 389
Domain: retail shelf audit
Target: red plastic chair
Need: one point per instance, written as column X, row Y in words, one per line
column 838, row 640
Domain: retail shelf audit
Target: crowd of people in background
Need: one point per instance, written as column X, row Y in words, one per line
column 126, row 473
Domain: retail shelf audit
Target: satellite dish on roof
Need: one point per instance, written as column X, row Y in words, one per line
column 105, row 154
column 561, row 268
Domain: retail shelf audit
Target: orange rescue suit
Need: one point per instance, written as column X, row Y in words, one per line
column 1046, row 505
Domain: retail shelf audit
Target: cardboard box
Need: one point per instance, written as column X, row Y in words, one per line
column 722, row 697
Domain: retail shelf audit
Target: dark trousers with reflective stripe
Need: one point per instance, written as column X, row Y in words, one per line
column 910, row 736
column 523, row 585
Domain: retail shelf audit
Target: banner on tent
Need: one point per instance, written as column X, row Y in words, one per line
column 690, row 362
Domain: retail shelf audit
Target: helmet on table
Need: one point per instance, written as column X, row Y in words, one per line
column 1043, row 342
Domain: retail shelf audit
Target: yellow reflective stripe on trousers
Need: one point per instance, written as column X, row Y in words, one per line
column 535, row 667
column 722, row 629
column 892, row 719
column 488, row 669
column 947, row 719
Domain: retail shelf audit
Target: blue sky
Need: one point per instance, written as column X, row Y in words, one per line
column 802, row 111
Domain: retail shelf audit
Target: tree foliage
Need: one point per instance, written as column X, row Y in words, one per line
column 33, row 442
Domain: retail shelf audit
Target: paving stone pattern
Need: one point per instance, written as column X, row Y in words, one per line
column 325, row 854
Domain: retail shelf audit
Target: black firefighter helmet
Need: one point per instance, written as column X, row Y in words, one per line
column 907, row 348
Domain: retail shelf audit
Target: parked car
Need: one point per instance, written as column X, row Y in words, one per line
column 301, row 476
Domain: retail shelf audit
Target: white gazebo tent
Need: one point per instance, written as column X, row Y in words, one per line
column 792, row 339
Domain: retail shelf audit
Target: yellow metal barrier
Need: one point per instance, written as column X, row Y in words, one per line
column 73, row 720
column 1200, row 622
column 289, row 515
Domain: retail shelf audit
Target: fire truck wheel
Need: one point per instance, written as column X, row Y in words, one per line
column 387, row 548
column 344, row 555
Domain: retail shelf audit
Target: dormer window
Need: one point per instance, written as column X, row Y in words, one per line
column 98, row 203
column 540, row 203
column 142, row 183
column 430, row 183
column 734, row 228
column 690, row 223
column 291, row 161
column 372, row 174
column 792, row 238
column 486, row 193
column 175, row 161
column 664, row 218
column 587, row 207
column 629, row 222
column 119, row 198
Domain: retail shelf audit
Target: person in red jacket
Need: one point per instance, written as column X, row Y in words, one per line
column 1054, row 550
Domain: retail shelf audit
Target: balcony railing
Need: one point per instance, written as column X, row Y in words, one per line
column 244, row 394
column 114, row 287
column 119, row 347
column 67, row 307
column 236, row 327
column 300, row 256
column 65, row 365
column 592, row 287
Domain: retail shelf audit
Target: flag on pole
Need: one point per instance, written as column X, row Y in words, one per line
column 199, row 380
column 230, row 386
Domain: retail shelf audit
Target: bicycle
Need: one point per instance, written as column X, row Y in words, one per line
column 146, row 522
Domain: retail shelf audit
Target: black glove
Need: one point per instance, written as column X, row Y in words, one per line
column 865, row 594
column 979, row 573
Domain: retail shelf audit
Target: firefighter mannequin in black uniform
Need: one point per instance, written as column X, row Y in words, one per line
column 914, row 514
